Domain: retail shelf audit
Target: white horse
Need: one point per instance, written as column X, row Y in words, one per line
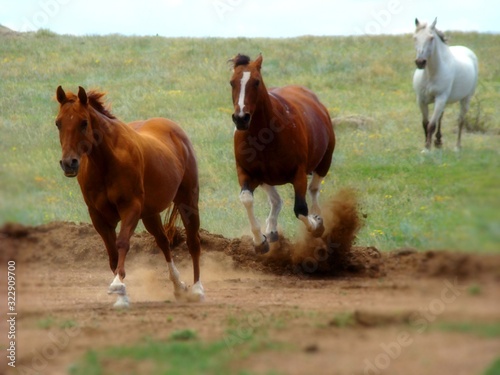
column 444, row 75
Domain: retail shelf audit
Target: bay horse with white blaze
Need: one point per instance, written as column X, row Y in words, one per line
column 127, row 173
column 282, row 135
column 444, row 75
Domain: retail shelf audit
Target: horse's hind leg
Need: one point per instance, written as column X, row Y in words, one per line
column 154, row 226
column 464, row 108
column 188, row 209
column 272, row 221
column 437, row 142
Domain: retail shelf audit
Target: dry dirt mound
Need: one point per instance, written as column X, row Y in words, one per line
column 70, row 243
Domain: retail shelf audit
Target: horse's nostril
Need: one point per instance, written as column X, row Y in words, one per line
column 420, row 63
column 246, row 118
column 74, row 163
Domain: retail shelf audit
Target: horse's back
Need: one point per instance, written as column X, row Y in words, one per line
column 162, row 130
column 169, row 156
column 304, row 102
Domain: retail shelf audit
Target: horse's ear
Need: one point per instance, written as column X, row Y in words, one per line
column 61, row 95
column 82, row 95
column 433, row 26
column 258, row 62
column 417, row 22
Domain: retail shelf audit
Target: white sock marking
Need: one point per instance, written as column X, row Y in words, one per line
column 241, row 98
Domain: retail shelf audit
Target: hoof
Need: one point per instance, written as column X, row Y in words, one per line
column 122, row 302
column 438, row 144
column 197, row 294
column 180, row 291
column 117, row 288
column 273, row 237
column 320, row 228
column 262, row 248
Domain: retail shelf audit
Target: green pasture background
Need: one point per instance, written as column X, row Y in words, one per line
column 442, row 200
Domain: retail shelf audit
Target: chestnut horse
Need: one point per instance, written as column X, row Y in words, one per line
column 281, row 136
column 127, row 173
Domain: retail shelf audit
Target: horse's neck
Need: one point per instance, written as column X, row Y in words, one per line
column 264, row 112
column 440, row 58
column 106, row 133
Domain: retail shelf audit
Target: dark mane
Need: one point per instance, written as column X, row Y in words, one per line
column 95, row 100
column 439, row 33
column 240, row 60
column 441, row 36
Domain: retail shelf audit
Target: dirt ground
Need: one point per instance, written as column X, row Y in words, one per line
column 336, row 308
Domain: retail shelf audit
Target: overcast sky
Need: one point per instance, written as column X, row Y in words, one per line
column 248, row 18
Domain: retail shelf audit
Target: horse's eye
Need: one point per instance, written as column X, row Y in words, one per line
column 231, row 83
column 83, row 125
column 58, row 124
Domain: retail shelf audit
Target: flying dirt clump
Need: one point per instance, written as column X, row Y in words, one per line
column 333, row 254
column 332, row 251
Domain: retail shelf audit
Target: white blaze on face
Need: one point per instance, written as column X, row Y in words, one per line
column 241, row 98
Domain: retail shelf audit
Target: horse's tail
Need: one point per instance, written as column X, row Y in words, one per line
column 170, row 225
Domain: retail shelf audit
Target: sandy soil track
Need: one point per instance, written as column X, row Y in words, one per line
column 383, row 313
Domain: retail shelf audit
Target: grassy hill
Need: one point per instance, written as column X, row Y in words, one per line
column 442, row 200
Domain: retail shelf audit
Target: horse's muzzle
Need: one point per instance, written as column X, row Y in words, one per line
column 242, row 123
column 420, row 63
column 70, row 167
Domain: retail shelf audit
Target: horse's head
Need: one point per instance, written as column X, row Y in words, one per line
column 424, row 38
column 246, row 83
column 75, row 133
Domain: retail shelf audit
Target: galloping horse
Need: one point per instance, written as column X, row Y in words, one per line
column 281, row 136
column 127, row 173
column 443, row 75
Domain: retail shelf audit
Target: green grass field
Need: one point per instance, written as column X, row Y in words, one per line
column 443, row 200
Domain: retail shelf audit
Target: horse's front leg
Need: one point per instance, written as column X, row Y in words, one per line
column 130, row 215
column 272, row 221
column 424, row 109
column 259, row 240
column 439, row 105
column 313, row 222
column 108, row 234
column 437, row 142
column 260, row 243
